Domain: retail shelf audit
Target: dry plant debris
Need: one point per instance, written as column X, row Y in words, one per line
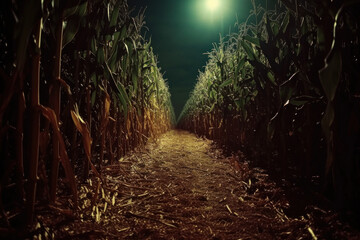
column 180, row 187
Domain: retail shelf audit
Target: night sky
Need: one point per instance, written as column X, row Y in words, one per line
column 181, row 32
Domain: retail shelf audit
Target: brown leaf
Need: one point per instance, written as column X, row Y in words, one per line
column 107, row 104
column 106, row 116
column 82, row 127
column 65, row 85
column 64, row 159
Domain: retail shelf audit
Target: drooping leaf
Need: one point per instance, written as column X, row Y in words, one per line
column 119, row 88
column 64, row 159
column 82, row 127
column 72, row 23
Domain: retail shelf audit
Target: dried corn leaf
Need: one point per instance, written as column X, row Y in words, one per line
column 113, row 200
column 228, row 208
column 64, row 159
column 81, row 126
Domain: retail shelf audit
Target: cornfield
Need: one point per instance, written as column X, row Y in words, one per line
column 284, row 89
column 80, row 88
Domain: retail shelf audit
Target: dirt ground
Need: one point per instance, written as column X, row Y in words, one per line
column 181, row 187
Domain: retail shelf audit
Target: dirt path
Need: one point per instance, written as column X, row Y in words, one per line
column 182, row 188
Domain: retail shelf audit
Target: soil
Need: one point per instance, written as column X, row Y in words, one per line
column 182, row 187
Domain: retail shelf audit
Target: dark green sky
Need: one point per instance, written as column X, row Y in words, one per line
column 181, row 32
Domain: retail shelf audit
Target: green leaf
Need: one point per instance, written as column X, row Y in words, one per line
column 135, row 81
column 130, row 47
column 115, row 14
column 73, row 22
column 113, row 59
column 123, row 97
column 71, row 7
column 69, row 11
column 108, row 37
column 212, row 107
column 238, row 104
column 321, row 38
column 116, row 39
column 120, row 89
column 249, row 50
column 123, row 32
column 285, row 22
column 100, row 57
column 239, row 67
column 271, row 77
column 93, row 45
column 93, row 79
column 226, row 83
column 252, row 40
column 126, row 48
column 70, row 29
column 275, row 28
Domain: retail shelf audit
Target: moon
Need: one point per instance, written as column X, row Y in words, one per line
column 212, row 5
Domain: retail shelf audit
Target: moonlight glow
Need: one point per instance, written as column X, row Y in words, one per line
column 212, row 5
column 211, row 11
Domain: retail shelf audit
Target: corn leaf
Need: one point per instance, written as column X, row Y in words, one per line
column 64, row 159
column 115, row 14
column 226, row 83
column 82, row 127
column 248, row 49
column 73, row 22
column 252, row 40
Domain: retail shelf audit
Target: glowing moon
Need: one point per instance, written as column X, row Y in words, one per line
column 212, row 12
column 212, row 5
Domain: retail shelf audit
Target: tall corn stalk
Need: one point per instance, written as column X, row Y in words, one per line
column 55, row 95
column 35, row 122
column 266, row 77
column 125, row 95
